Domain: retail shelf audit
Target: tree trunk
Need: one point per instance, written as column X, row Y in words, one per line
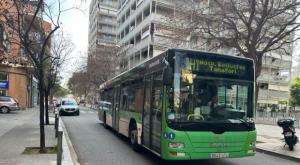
column 47, row 107
column 42, row 127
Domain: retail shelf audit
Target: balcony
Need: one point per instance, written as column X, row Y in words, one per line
column 107, row 22
column 272, row 95
column 107, row 31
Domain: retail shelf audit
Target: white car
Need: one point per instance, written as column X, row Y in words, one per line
column 68, row 106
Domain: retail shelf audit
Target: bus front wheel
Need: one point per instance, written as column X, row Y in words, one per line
column 104, row 120
column 134, row 138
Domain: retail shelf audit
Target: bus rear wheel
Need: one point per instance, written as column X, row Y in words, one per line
column 134, row 138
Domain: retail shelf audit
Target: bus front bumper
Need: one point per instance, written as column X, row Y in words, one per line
column 183, row 155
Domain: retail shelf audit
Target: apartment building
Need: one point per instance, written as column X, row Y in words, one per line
column 16, row 73
column 102, row 26
column 102, row 43
column 144, row 30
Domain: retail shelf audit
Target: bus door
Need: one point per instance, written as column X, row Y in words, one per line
column 156, row 112
column 115, row 112
column 146, row 111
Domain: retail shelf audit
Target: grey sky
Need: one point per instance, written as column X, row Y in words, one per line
column 75, row 23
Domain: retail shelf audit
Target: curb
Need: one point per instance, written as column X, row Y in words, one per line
column 69, row 143
column 262, row 150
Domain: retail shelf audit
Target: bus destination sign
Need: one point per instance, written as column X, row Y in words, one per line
column 218, row 67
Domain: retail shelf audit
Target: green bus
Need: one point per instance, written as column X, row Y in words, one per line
column 184, row 105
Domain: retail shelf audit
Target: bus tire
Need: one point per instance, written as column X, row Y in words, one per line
column 104, row 120
column 133, row 135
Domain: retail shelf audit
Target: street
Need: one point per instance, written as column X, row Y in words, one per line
column 96, row 145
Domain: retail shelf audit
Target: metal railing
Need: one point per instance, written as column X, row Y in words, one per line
column 273, row 117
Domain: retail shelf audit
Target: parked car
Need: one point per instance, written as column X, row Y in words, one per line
column 8, row 103
column 68, row 106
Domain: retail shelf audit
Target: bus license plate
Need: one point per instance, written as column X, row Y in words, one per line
column 219, row 155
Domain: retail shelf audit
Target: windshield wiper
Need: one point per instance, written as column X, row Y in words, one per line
column 247, row 124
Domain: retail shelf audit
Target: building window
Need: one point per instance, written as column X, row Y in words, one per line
column 139, row 19
column 263, row 85
column 1, row 34
column 138, row 38
column 146, row 12
column 153, row 7
column 137, row 56
column 145, row 53
column 127, row 14
column 3, row 77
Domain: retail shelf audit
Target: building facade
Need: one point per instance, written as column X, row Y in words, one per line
column 145, row 30
column 102, row 25
column 16, row 70
column 102, row 44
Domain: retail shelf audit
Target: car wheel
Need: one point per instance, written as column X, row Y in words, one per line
column 77, row 113
column 5, row 110
column 60, row 113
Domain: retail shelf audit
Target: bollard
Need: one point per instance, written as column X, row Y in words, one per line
column 56, row 125
column 59, row 147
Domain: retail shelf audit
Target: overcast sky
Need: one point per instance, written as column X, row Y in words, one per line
column 75, row 23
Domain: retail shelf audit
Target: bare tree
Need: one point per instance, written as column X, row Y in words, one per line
column 61, row 48
column 33, row 34
column 79, row 83
column 102, row 65
column 252, row 28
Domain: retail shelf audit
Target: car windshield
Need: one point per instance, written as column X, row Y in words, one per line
column 68, row 102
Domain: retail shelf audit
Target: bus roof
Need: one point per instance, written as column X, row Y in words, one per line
column 211, row 53
column 168, row 52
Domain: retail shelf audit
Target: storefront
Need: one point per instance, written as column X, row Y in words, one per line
column 17, row 82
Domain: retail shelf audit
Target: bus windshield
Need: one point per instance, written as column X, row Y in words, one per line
column 203, row 98
column 210, row 99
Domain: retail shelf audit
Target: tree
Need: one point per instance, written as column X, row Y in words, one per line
column 79, row 83
column 33, row 34
column 295, row 92
column 101, row 66
column 252, row 28
column 59, row 91
column 61, row 48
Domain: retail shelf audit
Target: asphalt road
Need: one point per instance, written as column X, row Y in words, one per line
column 96, row 145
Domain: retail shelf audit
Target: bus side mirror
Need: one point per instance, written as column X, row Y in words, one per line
column 167, row 76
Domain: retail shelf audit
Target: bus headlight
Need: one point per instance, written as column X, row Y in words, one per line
column 176, row 145
column 252, row 144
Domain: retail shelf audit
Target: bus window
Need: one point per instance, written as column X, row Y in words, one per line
column 156, row 114
column 124, row 95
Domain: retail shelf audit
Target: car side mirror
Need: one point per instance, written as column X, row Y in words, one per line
column 167, row 76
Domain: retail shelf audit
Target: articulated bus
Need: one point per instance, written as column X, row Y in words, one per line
column 184, row 105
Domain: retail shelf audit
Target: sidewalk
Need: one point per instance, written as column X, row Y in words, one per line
column 269, row 141
column 24, row 131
